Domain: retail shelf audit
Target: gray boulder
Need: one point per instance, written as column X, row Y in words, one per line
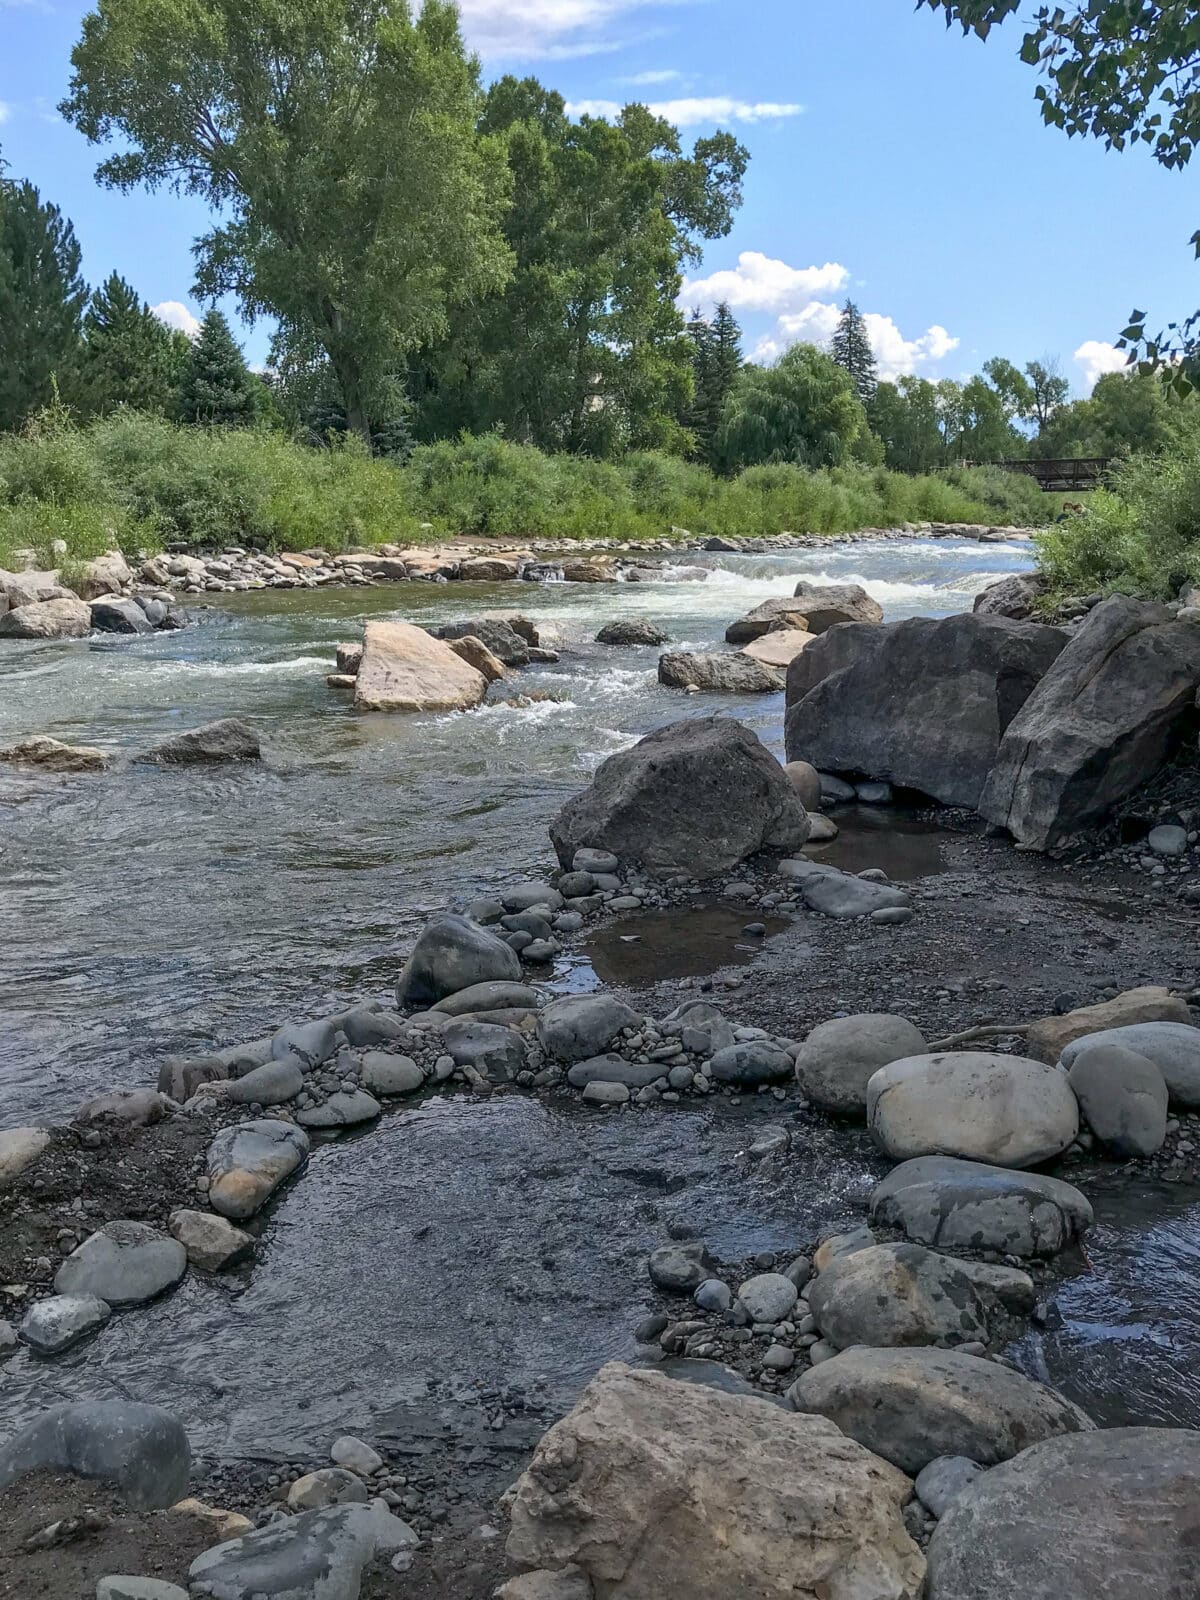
column 838, row 1058
column 51, row 1326
column 747, row 1065
column 826, row 605
column 966, row 1205
column 717, row 673
column 680, row 1268
column 614, row 1069
column 451, row 954
column 489, row 997
column 141, row 1449
column 841, row 895
column 497, row 1052
column 388, row 1075
column 312, row 1042
column 631, row 631
column 771, row 616
column 1173, row 1047
column 1100, row 723
column 583, row 1025
column 896, row 1294
column 911, row 1406
column 1014, row 597
column 346, row 1108
column 123, row 1263
column 1001, row 1109
column 230, row 739
column 319, row 1555
column 270, row 1085
column 768, row 1297
column 922, row 703
column 696, row 796
column 114, row 615
column 1089, row 1516
column 939, row 1484
column 505, row 643
column 248, row 1162
column 1123, row 1098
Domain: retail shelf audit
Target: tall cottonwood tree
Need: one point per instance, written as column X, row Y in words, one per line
column 851, row 349
column 42, row 297
column 337, row 141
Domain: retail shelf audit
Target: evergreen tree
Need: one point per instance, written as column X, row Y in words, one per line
column 218, row 387
column 129, row 357
column 696, row 414
column 726, row 363
column 41, row 300
column 851, row 349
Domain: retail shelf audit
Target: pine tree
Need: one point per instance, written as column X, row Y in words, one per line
column 726, row 364
column 697, row 414
column 851, row 349
column 41, row 300
column 129, row 357
column 218, row 387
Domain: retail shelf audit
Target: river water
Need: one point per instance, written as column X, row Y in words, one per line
column 460, row 1243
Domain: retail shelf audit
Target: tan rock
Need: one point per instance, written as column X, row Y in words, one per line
column 341, row 680
column 224, row 1524
column 806, row 781
column 430, row 564
column 107, row 574
column 292, row 558
column 32, row 587
column 405, row 669
column 480, row 657
column 1048, row 1038
column 54, row 756
column 65, row 617
column 777, row 649
column 655, row 1487
column 210, row 1241
column 393, row 568
column 19, row 1148
column 589, row 572
column 571, row 1583
column 487, row 569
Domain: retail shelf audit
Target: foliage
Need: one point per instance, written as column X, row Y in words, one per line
column 803, row 410
column 217, row 385
column 851, row 349
column 336, row 142
column 716, row 361
column 129, row 358
column 1127, row 413
column 42, row 297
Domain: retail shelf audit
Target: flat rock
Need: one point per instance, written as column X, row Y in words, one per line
column 141, row 1449
column 405, row 669
column 778, row 648
column 136, row 1108
column 842, row 895
column 613, row 1068
column 967, row 1205
column 717, row 673
column 123, row 1263
column 1123, row 1096
column 230, row 739
column 248, row 1162
column 388, row 1075
column 210, row 1241
column 632, row 631
column 1172, row 1047
column 51, row 755
column 581, row 1026
column 346, row 1108
column 838, row 1058
column 600, row 1093
column 1049, row 1037
column 497, row 1052
column 452, row 954
column 896, row 1294
column 319, row 1555
column 53, row 1325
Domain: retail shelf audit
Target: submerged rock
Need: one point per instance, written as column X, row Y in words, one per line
column 632, row 631
column 966, row 1205
column 141, row 1449
column 230, row 739
column 54, row 756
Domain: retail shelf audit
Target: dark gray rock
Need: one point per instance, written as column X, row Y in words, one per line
column 452, row 954
column 1014, row 597
column 700, row 1017
column 123, row 1263
column 505, row 643
column 141, row 1449
column 489, row 997
column 757, row 1061
column 1100, row 723
column 966, row 1205
column 582, row 1025
column 769, row 617
column 614, row 1069
column 230, row 739
column 319, row 1555
column 896, row 1294
column 180, row 1076
column 1173, row 1047
column 270, row 1085
column 53, row 1325
column 632, row 631
column 113, row 614
column 717, row 673
column 680, row 1268
column 1123, row 1098
column 498, row 1053
column 826, row 605
column 535, row 923
column 312, row 1042
column 939, row 1484
column 838, row 1058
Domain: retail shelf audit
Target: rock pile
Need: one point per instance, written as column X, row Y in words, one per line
column 102, row 596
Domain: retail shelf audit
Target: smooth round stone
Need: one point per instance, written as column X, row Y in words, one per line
column 606, row 1094
column 594, row 861
column 1168, row 840
column 123, row 1263
column 714, row 1295
column 541, row 951
column 779, row 1358
column 874, row 794
column 821, row 830
column 356, row 1455
column 331, row 1486
column 51, row 1326
column 769, row 1297
column 344, row 1109
column 383, row 1074
column 892, row 916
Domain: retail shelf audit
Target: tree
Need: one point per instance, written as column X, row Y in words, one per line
column 851, row 349
column 716, row 362
column 337, row 143
column 1048, row 391
column 42, row 297
column 218, row 387
column 908, row 418
column 803, row 410
column 129, row 357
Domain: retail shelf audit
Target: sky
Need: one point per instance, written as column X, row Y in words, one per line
column 892, row 161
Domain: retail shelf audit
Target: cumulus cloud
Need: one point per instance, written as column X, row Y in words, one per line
column 897, row 355
column 547, row 30
column 695, row 109
column 763, row 283
column 1096, row 357
column 176, row 315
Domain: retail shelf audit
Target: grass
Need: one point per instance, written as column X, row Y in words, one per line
column 137, row 482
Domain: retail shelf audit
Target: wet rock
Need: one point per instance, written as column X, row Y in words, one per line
column 128, row 1588
column 1123, row 1097
column 770, row 616
column 270, row 1085
column 1047, row 1039
column 939, row 1484
column 312, row 1042
column 1005, row 1110
column 911, row 1406
column 388, row 1075
column 660, row 1488
column 356, row 1455
column 141, row 1449
column 632, row 631
column 476, row 654
column 405, row 669
column 319, row 1553
column 806, row 781
column 62, row 618
column 1172, row 1047
column 499, row 1053
column 1168, row 840
column 344, row 1109
column 124, row 1263
column 613, row 1068
column 600, row 1093
column 748, row 1065
column 966, row 1205
column 589, row 571
column 331, row 1486
column 826, row 605
column 681, row 1267
column 842, row 895
column 349, row 659
column 247, row 1163
column 768, row 1297
column 499, row 638
column 19, row 1149
column 452, row 954
column 896, row 1294
column 838, row 1058
column 53, row 1325
column 51, row 755
column 732, row 673
column 998, row 1286
column 1098, row 725
column 115, row 615
column 230, row 739
column 578, row 1027
column 1088, row 1516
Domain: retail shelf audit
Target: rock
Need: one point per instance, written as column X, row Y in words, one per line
column 714, row 673
column 1006, row 1110
column 19, row 1149
column 406, row 669
column 230, row 739
column 124, row 1263
column 1172, row 1047
column 1048, row 1038
column 349, row 659
column 681, row 1267
column 923, row 703
column 344, row 1109
column 581, row 1026
column 106, row 574
column 1014, row 597
column 1084, row 1516
column 965, row 1205
column 632, row 631
column 489, row 997
column 115, row 615
column 540, row 951
column 778, row 648
column 125, row 1588
column 835, row 790
column 614, row 1069
column 600, row 1093
column 51, row 1326
column 806, row 781
column 1168, row 840
column 757, row 1061
column 838, row 1058
column 939, row 1484
column 142, row 1449
column 136, row 1108
column 62, row 618
column 568, row 1583
column 1099, row 724
column 589, row 571
column 826, row 605
column 223, row 1524
column 389, row 1075
column 532, row 896
column 769, row 1297
column 452, row 954
column 248, row 1162
column 319, row 1555
column 311, row 1042
column 476, row 654
column 496, row 636
column 211, row 1242
column 487, row 569
column 841, row 1244
column 911, row 1406
column 356, row 1455
column 1006, row 1287
column 725, row 795
column 700, row 1017
column 331, row 1486
column 896, row 1294
column 771, row 616
column 875, row 794
column 339, row 680
column 179, row 1078
column 499, row 1053
column 597, row 862
column 54, row 756
column 363, row 1026
column 657, row 1488
column 270, row 1085
column 842, row 895
column 1123, row 1097
column 713, row 1295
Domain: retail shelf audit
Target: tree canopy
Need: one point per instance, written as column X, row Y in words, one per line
column 803, row 410
column 129, row 357
column 218, row 388
column 42, row 297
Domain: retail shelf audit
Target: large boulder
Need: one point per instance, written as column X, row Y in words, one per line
column 1088, row 1516
column 141, row 1449
column 1172, row 1047
column 454, row 953
column 63, row 618
column 1002, row 1109
column 1123, row 1098
column 118, row 614
column 500, row 637
column 656, row 1488
column 230, row 739
column 696, row 796
column 717, row 673
column 770, row 616
column 246, row 1163
column 406, row 669
column 1100, row 723
column 826, row 605
column 106, row 574
column 32, row 587
column 582, row 1025
column 838, row 1058
column 966, row 1205
column 896, row 1294
column 923, row 703
column 911, row 1406
column 319, row 1555
column 1049, row 1037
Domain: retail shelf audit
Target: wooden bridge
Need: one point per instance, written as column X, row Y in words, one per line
column 1063, row 477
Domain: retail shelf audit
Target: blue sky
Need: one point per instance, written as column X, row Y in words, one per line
column 891, row 160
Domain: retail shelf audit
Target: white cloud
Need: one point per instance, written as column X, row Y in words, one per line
column 692, row 110
column 897, row 355
column 5, row 111
column 647, row 80
column 762, row 283
column 1096, row 357
column 176, row 315
column 547, row 30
